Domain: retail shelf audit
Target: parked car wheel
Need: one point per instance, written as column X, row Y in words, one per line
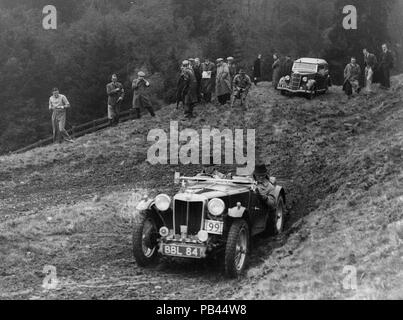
column 237, row 249
column 276, row 219
column 145, row 235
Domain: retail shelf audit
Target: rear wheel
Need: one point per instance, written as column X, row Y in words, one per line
column 145, row 236
column 237, row 249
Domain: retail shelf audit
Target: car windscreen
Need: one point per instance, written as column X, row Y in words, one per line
column 302, row 67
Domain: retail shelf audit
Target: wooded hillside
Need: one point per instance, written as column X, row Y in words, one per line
column 97, row 38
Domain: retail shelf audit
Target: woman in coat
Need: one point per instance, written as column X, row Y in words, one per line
column 276, row 70
column 223, row 82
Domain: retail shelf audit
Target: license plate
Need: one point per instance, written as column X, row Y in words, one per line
column 182, row 251
column 214, row 227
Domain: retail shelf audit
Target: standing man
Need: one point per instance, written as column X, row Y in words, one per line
column 197, row 68
column 189, row 88
column 257, row 69
column 115, row 94
column 208, row 79
column 352, row 74
column 276, row 70
column 58, row 103
column 385, row 66
column 223, row 82
column 370, row 65
column 140, row 97
column 232, row 67
column 241, row 85
column 287, row 67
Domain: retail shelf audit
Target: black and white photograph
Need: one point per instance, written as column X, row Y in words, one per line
column 220, row 152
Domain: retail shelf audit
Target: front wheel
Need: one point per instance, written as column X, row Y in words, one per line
column 237, row 249
column 145, row 236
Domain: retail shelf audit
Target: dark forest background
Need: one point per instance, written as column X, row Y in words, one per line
column 96, row 38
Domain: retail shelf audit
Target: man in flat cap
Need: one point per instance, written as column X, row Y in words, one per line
column 141, row 100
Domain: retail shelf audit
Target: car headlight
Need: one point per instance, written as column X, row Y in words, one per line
column 216, row 207
column 287, row 78
column 305, row 79
column 162, row 202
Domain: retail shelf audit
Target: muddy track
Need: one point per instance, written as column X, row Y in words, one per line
column 301, row 141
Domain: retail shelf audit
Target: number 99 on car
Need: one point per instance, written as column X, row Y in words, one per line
column 230, row 310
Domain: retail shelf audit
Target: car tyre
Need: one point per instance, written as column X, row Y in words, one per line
column 237, row 249
column 276, row 219
column 145, row 235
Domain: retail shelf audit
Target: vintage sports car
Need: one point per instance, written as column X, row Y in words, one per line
column 309, row 76
column 208, row 215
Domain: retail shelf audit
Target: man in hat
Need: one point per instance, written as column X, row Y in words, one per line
column 223, row 82
column 58, row 103
column 115, row 94
column 187, row 88
column 241, row 86
column 264, row 188
column 208, row 79
column 141, row 100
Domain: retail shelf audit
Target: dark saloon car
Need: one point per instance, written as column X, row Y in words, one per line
column 309, row 76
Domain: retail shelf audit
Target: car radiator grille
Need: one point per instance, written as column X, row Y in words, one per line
column 295, row 81
column 188, row 214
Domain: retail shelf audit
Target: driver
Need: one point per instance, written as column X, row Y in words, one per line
column 264, row 188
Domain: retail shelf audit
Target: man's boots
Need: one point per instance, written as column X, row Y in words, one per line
column 138, row 113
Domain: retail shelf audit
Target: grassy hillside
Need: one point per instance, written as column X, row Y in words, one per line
column 340, row 160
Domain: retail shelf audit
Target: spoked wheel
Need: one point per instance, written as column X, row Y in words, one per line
column 276, row 219
column 145, row 236
column 237, row 249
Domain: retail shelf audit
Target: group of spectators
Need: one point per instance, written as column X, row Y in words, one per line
column 115, row 91
column 376, row 70
column 199, row 81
